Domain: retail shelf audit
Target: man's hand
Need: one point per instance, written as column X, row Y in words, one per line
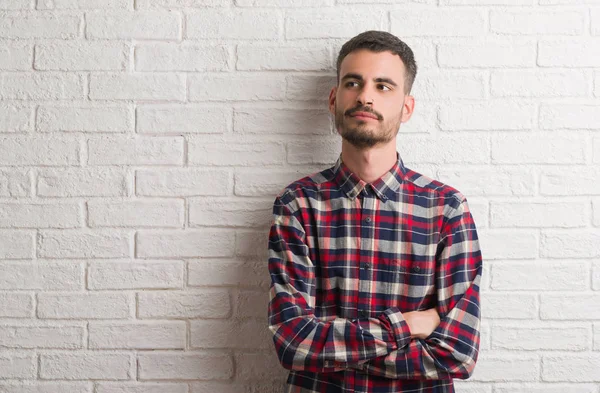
column 422, row 323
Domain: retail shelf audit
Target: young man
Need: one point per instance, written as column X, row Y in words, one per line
column 375, row 269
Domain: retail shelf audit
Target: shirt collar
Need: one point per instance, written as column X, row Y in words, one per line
column 385, row 187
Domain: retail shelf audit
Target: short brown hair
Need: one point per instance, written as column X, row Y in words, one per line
column 381, row 41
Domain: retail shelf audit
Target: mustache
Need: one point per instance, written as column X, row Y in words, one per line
column 349, row 112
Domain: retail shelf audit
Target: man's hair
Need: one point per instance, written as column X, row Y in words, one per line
column 381, row 41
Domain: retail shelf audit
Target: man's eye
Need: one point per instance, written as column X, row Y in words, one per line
column 384, row 87
column 351, row 84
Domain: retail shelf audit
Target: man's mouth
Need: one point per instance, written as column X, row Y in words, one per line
column 364, row 115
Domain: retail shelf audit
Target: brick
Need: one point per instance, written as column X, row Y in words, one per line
column 28, row 25
column 25, row 151
column 281, row 121
column 45, row 387
column 182, row 182
column 237, row 87
column 88, row 365
column 238, row 387
column 596, row 337
column 84, row 4
column 32, row 336
column 424, row 50
column 424, row 120
column 571, row 368
column 135, row 335
column 564, row 306
column 182, row 119
column 505, row 244
column 182, row 244
column 284, row 3
column 181, row 57
column 596, row 277
column 329, row 23
column 16, row 305
column 137, row 87
column 574, row 181
column 73, row 182
column 135, row 275
column 251, row 303
column 78, row 118
column 495, row 181
column 128, row 25
column 509, row 305
column 467, row 386
column 487, row 54
column 167, row 213
column 541, row 337
column 540, row 276
column 569, row 116
column 564, row 22
column 41, row 86
column 122, row 387
column 566, row 2
column 15, row 5
column 479, row 208
column 539, row 84
column 189, row 304
column 239, row 154
column 189, row 365
column 229, row 212
column 145, row 4
column 64, row 215
column 595, row 15
column 15, row 183
column 233, row 24
column 444, row 149
column 16, row 56
column 309, row 87
column 84, row 305
column 488, row 2
column 246, row 241
column 15, row 118
column 17, row 365
column 258, row 366
column 73, row 243
column 41, row 275
column 543, row 388
column 487, row 116
column 438, row 85
column 315, row 151
column 15, row 244
column 252, row 182
column 75, row 56
column 517, row 367
column 230, row 334
column 572, row 53
column 84, row 119
column 283, row 58
column 538, row 214
column 596, row 214
column 227, row 272
column 438, row 22
column 596, row 150
column 570, row 244
column 538, row 149
column 136, row 151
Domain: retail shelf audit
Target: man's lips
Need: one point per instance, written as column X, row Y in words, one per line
column 363, row 115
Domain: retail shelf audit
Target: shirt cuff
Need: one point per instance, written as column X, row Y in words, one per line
column 400, row 328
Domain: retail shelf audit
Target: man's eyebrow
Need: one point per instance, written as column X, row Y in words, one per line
column 360, row 78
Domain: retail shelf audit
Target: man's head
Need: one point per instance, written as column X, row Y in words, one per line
column 375, row 73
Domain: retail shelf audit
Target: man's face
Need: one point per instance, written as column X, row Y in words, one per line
column 369, row 103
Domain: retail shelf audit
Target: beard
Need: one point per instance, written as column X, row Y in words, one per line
column 363, row 134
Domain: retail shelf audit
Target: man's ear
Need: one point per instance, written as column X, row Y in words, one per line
column 332, row 94
column 408, row 108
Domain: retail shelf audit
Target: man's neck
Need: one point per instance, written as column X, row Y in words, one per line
column 369, row 164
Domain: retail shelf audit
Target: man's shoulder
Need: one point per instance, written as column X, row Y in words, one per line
column 305, row 186
column 428, row 187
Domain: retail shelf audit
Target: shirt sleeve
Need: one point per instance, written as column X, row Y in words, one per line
column 303, row 341
column 452, row 349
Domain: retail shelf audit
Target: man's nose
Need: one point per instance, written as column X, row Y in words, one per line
column 364, row 98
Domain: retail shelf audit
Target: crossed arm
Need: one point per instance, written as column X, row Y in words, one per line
column 434, row 344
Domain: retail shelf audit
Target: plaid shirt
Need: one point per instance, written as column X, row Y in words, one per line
column 347, row 258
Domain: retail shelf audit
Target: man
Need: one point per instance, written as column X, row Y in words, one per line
column 375, row 269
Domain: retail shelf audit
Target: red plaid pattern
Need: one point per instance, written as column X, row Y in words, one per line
column 347, row 258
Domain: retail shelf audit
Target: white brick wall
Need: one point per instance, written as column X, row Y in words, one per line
column 142, row 143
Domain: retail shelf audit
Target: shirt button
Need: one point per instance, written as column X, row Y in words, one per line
column 367, row 266
column 368, row 219
column 364, row 313
column 416, row 269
